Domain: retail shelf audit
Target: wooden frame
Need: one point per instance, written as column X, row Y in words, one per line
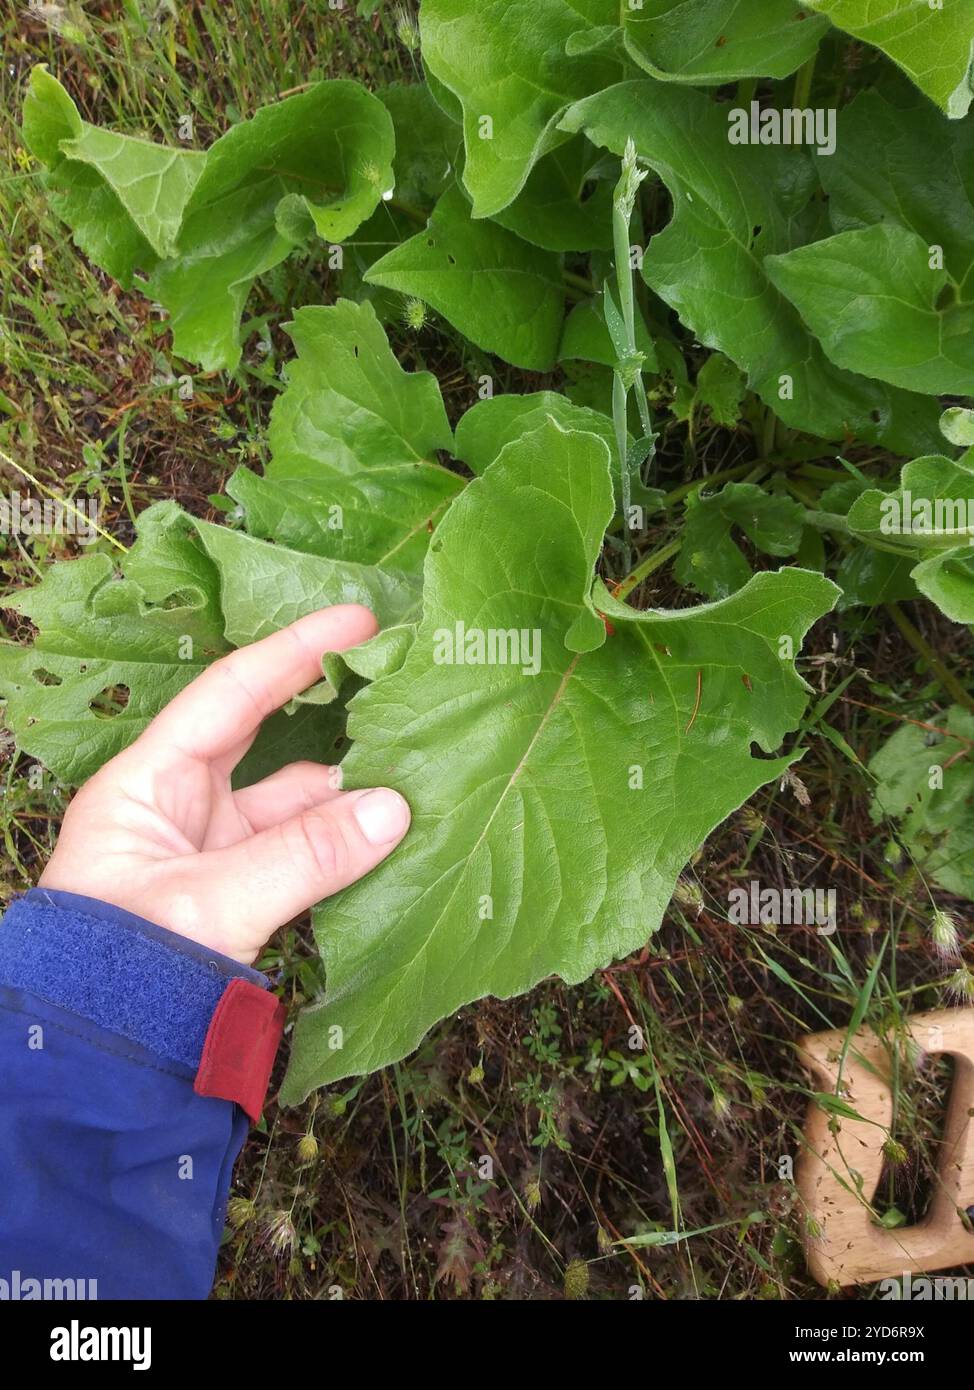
column 850, row 1247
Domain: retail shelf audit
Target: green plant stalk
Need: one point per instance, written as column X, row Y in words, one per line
column 920, row 645
column 803, row 82
column 122, row 473
column 620, row 424
column 623, row 204
column 826, row 521
column 652, row 562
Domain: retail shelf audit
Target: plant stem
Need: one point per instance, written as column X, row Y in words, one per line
column 653, row 561
column 819, row 474
column 620, row 244
column 122, row 474
column 620, row 423
column 627, row 375
column 826, row 521
column 920, row 645
column 578, row 282
column 414, row 214
column 723, row 476
column 803, row 82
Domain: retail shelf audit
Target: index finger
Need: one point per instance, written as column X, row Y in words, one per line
column 228, row 702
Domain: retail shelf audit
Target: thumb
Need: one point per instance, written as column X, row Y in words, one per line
column 287, row 868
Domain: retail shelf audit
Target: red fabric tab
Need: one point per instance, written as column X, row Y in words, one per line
column 241, row 1043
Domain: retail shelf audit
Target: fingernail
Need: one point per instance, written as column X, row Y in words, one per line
column 381, row 815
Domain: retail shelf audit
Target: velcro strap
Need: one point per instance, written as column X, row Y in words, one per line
column 241, row 1044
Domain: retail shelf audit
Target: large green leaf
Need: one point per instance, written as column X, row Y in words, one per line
column 106, row 641
column 714, row 41
column 316, row 163
column 889, row 296
column 732, row 208
column 429, row 146
column 560, row 208
column 925, row 780
column 264, row 587
column 710, row 560
column 353, row 438
column 876, row 306
column 932, row 43
column 930, row 519
column 552, row 812
column 122, row 197
column 506, row 61
column 489, row 426
column 501, row 293
column 907, row 165
column 115, row 645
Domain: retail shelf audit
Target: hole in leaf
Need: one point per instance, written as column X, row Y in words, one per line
column 179, row 598
column 110, row 701
column 451, row 259
column 875, row 416
column 45, row 677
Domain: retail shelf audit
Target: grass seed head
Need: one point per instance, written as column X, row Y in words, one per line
column 241, row 1211
column 414, row 314
column 279, row 1232
column 307, row 1148
column 576, row 1279
column 945, row 936
column 407, row 30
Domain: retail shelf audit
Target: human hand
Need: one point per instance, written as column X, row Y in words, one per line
column 158, row 830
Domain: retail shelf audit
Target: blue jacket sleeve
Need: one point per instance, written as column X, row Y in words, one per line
column 113, row 1169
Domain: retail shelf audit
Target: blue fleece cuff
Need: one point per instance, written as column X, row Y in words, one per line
column 116, row 970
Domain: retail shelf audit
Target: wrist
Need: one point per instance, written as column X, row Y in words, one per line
column 191, row 1007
